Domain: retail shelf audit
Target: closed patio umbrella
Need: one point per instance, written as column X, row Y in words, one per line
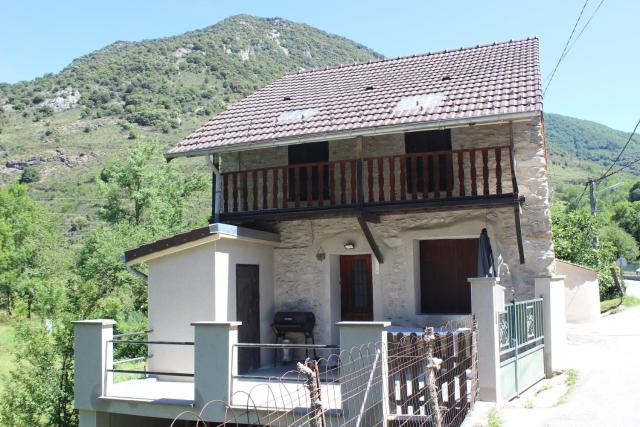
column 486, row 266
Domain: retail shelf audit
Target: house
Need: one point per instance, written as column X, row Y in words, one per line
column 357, row 193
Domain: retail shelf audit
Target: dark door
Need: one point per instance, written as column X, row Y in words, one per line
column 445, row 266
column 248, row 312
column 356, row 287
column 428, row 142
column 305, row 154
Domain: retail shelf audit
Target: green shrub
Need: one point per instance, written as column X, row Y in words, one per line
column 46, row 111
column 30, row 174
column 37, row 99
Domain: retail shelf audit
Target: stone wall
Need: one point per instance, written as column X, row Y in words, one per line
column 304, row 282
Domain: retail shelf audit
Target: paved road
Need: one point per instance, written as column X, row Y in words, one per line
column 607, row 356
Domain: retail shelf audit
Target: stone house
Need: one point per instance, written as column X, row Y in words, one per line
column 357, row 193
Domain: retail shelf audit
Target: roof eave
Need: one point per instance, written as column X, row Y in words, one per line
column 376, row 130
column 193, row 238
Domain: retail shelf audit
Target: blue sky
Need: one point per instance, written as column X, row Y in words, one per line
column 598, row 80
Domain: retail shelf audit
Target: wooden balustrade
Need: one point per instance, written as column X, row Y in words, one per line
column 439, row 175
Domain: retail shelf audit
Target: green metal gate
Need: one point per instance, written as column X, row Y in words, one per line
column 521, row 328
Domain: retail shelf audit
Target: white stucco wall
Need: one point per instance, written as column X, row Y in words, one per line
column 198, row 284
column 181, row 291
column 582, row 296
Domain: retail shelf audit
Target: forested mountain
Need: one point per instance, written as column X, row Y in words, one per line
column 57, row 131
column 581, row 148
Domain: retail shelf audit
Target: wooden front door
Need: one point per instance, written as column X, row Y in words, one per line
column 445, row 266
column 248, row 312
column 356, row 287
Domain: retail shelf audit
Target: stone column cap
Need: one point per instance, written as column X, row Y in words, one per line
column 364, row 324
column 103, row 322
column 230, row 324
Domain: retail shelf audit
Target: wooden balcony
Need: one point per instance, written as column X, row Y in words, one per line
column 478, row 177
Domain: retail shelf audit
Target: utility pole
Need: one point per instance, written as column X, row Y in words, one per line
column 592, row 196
column 594, row 207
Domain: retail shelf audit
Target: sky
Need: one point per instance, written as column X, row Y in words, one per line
column 597, row 80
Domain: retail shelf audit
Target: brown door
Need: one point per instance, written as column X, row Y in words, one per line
column 248, row 312
column 356, row 287
column 445, row 266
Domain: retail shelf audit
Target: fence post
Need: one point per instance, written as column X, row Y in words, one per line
column 359, row 342
column 487, row 301
column 93, row 356
column 433, row 365
column 310, row 371
column 551, row 289
column 214, row 365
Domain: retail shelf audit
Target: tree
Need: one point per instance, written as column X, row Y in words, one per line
column 29, row 248
column 634, row 192
column 627, row 216
column 624, row 243
column 572, row 240
column 145, row 200
column 144, row 191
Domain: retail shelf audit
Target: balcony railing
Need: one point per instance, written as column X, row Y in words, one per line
column 374, row 181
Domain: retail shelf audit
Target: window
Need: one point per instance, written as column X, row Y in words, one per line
column 428, row 142
column 304, row 154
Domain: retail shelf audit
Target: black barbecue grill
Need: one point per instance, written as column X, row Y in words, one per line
column 303, row 322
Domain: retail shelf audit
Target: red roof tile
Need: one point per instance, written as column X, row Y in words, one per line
column 467, row 83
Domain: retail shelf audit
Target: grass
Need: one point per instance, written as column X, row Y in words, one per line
column 494, row 418
column 134, row 366
column 614, row 303
column 570, row 381
column 7, row 342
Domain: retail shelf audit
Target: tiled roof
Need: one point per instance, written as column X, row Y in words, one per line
column 461, row 84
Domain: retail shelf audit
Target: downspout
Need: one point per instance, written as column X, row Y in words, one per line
column 218, row 188
column 133, row 271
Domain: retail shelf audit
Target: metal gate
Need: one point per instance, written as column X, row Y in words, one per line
column 521, row 330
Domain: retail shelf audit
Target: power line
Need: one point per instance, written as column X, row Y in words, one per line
column 566, row 46
column 584, row 28
column 607, row 173
column 577, row 200
column 628, row 165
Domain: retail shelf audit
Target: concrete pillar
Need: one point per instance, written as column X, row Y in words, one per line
column 487, row 301
column 551, row 289
column 93, row 419
column 93, row 356
column 215, row 361
column 359, row 345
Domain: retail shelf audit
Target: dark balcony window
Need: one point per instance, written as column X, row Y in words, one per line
column 305, row 154
column 428, row 142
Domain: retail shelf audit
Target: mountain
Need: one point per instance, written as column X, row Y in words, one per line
column 58, row 130
column 65, row 125
column 579, row 149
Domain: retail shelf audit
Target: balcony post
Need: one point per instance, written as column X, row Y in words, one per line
column 359, row 345
column 214, row 365
column 487, row 301
column 93, row 356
